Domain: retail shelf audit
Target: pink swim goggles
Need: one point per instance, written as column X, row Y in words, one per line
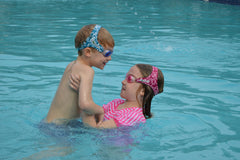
column 151, row 80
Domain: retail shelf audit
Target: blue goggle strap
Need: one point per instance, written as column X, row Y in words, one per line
column 92, row 41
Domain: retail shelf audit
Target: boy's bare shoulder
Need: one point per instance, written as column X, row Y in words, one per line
column 79, row 68
column 69, row 66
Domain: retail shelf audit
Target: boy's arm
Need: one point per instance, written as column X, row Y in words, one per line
column 85, row 100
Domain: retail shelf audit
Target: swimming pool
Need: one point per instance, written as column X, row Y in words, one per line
column 195, row 43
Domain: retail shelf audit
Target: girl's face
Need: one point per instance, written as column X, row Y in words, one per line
column 130, row 87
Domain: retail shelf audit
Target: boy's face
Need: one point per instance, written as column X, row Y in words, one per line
column 99, row 60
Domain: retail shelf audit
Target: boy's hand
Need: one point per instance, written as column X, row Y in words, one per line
column 74, row 82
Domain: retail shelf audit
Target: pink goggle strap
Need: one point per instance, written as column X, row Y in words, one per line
column 151, row 80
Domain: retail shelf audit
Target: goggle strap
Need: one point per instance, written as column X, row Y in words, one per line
column 151, row 80
column 92, row 41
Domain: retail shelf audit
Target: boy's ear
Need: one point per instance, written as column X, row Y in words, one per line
column 87, row 52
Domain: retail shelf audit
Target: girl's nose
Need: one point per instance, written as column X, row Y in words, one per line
column 124, row 81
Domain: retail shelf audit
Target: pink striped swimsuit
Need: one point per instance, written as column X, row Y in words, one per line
column 124, row 117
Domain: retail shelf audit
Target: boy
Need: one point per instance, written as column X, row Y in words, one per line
column 95, row 46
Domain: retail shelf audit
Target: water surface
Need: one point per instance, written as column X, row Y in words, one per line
column 195, row 44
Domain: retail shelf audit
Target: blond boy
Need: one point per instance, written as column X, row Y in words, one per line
column 95, row 46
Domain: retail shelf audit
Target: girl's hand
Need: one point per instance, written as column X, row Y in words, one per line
column 74, row 82
column 99, row 124
column 99, row 118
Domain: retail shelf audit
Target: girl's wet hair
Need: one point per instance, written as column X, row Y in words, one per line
column 146, row 70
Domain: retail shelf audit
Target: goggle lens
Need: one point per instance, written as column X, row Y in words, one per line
column 107, row 53
column 130, row 79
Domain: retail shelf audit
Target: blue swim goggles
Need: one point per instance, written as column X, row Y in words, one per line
column 92, row 41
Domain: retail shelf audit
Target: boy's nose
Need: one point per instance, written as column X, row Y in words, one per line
column 109, row 58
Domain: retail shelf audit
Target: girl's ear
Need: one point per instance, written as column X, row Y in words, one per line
column 142, row 91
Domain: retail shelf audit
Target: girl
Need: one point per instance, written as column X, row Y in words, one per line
column 141, row 84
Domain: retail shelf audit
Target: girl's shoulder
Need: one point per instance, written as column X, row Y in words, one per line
column 118, row 101
column 133, row 110
column 113, row 104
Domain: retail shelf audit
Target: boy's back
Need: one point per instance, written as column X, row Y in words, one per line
column 65, row 103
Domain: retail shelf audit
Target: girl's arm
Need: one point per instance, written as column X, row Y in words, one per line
column 74, row 80
column 107, row 124
column 90, row 121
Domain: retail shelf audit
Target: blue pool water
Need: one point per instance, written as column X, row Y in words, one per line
column 195, row 43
